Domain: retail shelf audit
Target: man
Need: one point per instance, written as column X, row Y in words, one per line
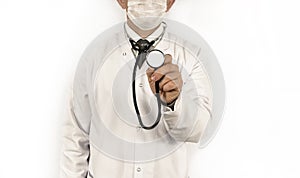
column 102, row 137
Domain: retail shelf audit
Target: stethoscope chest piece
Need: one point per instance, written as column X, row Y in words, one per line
column 155, row 58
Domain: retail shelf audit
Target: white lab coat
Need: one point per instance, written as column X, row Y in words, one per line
column 102, row 117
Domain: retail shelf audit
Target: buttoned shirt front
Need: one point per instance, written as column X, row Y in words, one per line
column 102, row 137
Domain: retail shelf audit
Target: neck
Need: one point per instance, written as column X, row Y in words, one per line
column 142, row 33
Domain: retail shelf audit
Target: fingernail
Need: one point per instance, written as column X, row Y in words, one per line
column 153, row 77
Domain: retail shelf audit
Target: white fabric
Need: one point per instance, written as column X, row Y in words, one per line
column 146, row 14
column 82, row 134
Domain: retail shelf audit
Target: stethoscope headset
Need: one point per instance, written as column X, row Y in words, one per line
column 155, row 59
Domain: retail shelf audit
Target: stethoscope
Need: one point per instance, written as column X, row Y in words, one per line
column 155, row 59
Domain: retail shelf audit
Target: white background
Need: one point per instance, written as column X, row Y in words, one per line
column 256, row 42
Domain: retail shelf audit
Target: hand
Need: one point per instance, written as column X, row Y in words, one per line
column 170, row 80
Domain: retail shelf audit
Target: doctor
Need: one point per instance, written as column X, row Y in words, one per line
column 102, row 138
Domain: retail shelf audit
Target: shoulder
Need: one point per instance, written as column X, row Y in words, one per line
column 104, row 41
column 94, row 53
column 99, row 47
column 183, row 43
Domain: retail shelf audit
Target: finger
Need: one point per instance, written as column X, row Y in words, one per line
column 149, row 72
column 176, row 82
column 169, row 86
column 173, row 75
column 164, row 81
column 169, row 77
column 165, row 69
column 168, row 59
column 170, row 96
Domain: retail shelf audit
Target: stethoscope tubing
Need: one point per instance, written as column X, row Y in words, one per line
column 157, row 95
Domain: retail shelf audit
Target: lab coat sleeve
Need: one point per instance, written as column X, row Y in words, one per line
column 75, row 140
column 74, row 162
column 193, row 108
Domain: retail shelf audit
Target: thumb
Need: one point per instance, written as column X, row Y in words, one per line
column 149, row 72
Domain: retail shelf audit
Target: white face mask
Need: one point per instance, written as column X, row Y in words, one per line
column 146, row 14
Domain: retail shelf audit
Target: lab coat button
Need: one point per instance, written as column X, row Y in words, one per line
column 124, row 54
column 141, row 85
column 138, row 169
column 138, row 128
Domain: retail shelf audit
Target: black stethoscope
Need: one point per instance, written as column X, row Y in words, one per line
column 155, row 59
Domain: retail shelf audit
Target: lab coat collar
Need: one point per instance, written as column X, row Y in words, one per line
column 162, row 45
